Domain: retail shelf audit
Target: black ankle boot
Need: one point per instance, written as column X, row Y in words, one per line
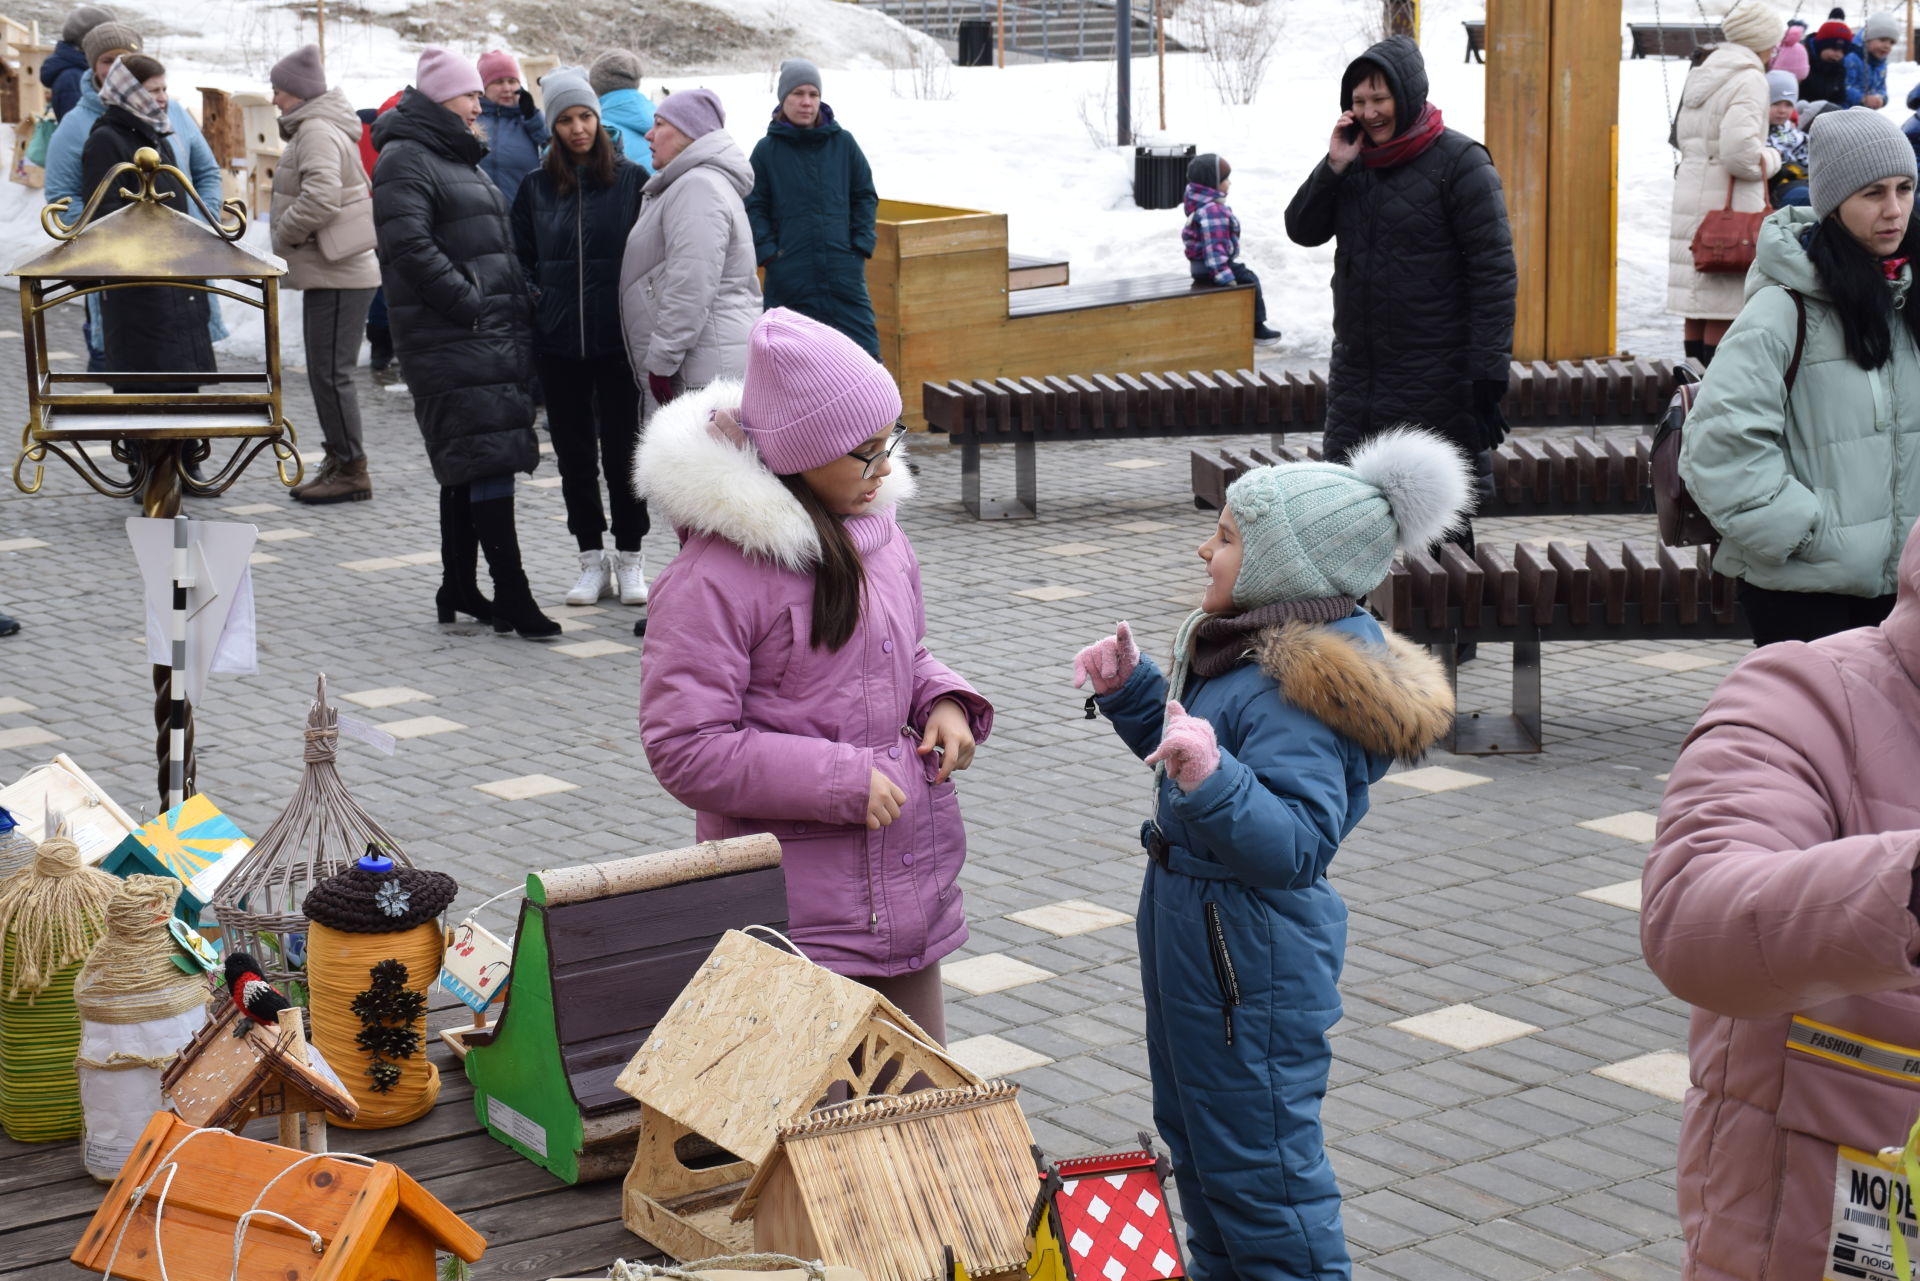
column 514, row 609
column 1706, row 352
column 459, row 560
column 1692, row 347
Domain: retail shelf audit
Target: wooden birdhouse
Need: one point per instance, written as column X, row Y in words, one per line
column 235, row 1070
column 756, row 1041
column 224, row 1195
column 883, row 1184
column 1104, row 1218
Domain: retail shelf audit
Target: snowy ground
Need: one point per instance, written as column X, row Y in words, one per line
column 1023, row 140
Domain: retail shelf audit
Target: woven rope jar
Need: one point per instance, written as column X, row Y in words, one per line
column 358, row 921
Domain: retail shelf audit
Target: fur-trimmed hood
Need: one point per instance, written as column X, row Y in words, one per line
column 704, row 482
column 1393, row 701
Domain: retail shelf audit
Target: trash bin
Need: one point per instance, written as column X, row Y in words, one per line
column 1160, row 176
column 976, row 43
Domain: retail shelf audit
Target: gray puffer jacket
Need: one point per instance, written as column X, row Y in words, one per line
column 319, row 175
column 688, row 290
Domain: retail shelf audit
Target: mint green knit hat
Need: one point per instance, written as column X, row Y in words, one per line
column 1310, row 531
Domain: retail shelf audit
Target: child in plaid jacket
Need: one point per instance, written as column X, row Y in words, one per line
column 1211, row 238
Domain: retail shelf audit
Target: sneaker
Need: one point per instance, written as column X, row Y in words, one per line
column 630, row 574
column 1265, row 337
column 596, row 579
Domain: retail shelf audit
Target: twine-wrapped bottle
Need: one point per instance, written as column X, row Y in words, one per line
column 374, row 943
column 51, row 914
column 137, row 1009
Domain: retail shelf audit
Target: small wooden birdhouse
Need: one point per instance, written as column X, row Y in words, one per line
column 757, row 1040
column 235, row 1070
column 883, row 1184
column 1104, row 1218
column 224, row 1198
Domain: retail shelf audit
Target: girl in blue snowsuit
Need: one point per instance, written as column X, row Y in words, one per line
column 1284, row 703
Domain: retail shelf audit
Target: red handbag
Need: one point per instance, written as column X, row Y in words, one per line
column 1726, row 240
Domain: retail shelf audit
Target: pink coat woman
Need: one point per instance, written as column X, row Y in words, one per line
column 1780, row 901
column 759, row 730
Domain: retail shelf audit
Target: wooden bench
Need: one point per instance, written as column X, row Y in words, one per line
column 1026, row 272
column 1476, row 40
column 1118, row 292
column 1024, row 411
column 1671, row 39
column 1574, row 477
column 601, row 952
column 1566, row 592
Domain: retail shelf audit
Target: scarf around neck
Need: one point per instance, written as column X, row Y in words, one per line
column 1425, row 131
column 123, row 91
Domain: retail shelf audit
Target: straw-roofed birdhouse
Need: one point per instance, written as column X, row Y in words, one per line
column 756, row 1041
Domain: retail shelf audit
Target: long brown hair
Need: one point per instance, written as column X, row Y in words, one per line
column 561, row 165
column 838, row 579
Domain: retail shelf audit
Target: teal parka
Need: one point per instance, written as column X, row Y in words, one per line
column 812, row 211
column 1813, row 491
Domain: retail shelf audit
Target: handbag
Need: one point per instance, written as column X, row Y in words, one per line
column 36, row 153
column 1725, row 241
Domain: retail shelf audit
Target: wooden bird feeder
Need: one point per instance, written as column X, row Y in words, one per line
column 228, row 1206
column 882, row 1185
column 235, row 1070
column 756, row 1041
column 1104, row 1218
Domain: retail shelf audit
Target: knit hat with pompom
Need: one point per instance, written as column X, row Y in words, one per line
column 1310, row 531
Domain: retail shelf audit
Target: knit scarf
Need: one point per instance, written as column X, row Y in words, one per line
column 1425, row 131
column 123, row 91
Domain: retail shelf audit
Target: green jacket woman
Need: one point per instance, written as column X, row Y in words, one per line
column 812, row 211
column 1813, row 489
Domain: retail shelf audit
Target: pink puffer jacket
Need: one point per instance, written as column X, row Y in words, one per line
column 1776, row 902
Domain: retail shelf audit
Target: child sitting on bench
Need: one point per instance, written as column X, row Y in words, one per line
column 1211, row 239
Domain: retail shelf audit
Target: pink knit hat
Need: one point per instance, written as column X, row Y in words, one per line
column 497, row 64
column 811, row 393
column 442, row 75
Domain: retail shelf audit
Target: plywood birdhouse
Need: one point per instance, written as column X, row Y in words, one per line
column 373, row 1222
column 235, row 1070
column 757, row 1039
column 882, row 1185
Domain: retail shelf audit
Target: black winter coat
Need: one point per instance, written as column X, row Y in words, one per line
column 1423, row 276
column 148, row 328
column 812, row 211
column 570, row 247
column 458, row 305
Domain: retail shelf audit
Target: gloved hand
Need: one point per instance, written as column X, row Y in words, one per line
column 528, row 109
column 1189, row 748
column 1107, row 662
column 1487, row 393
column 661, row 385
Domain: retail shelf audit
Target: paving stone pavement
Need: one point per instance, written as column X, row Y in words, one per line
column 1494, row 1140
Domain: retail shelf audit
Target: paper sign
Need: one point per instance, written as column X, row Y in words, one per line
column 372, row 735
column 94, row 821
column 476, row 966
column 1868, row 1199
column 220, row 625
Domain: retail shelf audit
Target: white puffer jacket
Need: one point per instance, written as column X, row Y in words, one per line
column 1722, row 132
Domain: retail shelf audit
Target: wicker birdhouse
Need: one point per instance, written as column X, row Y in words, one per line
column 322, row 830
column 757, row 1040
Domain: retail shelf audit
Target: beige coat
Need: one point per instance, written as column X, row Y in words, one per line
column 1722, row 132
column 319, row 170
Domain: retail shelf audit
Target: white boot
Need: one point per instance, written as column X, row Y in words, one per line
column 630, row 572
column 596, row 579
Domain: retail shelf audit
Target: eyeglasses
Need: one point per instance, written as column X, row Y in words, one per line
column 873, row 460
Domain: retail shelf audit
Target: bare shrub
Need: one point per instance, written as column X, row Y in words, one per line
column 1238, row 41
column 920, row 62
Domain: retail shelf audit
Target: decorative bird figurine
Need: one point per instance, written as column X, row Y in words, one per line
column 257, row 998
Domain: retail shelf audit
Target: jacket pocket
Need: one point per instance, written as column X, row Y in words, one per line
column 949, row 838
column 1225, row 976
column 1846, row 1088
column 827, row 875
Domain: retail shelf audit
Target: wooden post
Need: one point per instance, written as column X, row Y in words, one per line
column 1517, row 77
column 1000, row 33
column 320, row 26
column 293, row 1041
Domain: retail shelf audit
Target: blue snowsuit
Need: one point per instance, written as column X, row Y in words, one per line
column 1865, row 75
column 1242, row 937
column 627, row 115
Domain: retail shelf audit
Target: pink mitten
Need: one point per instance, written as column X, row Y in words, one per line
column 1108, row 662
column 1188, row 747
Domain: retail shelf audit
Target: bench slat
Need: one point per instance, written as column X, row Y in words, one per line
column 1539, row 583
column 1465, row 580
column 1503, row 584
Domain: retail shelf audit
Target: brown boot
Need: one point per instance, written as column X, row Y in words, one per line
column 348, row 483
column 318, row 476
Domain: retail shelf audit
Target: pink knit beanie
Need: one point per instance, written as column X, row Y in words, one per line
column 442, row 75
column 497, row 64
column 811, row 393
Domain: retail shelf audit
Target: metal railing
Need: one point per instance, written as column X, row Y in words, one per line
column 1052, row 30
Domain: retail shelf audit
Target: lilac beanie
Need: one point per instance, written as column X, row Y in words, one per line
column 694, row 112
column 442, row 75
column 811, row 393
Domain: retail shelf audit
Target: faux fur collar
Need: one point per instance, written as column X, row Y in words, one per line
column 705, row 483
column 1392, row 701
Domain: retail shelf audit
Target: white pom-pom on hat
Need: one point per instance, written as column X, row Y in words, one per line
column 1425, row 480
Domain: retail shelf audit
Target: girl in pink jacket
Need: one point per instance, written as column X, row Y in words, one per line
column 1780, row 901
column 786, row 687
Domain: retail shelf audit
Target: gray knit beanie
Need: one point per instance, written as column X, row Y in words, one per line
column 563, row 89
column 1208, row 169
column 1848, row 150
column 1310, row 531
column 300, row 73
column 613, row 70
column 83, row 20
column 795, row 72
column 1880, row 26
column 106, row 38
